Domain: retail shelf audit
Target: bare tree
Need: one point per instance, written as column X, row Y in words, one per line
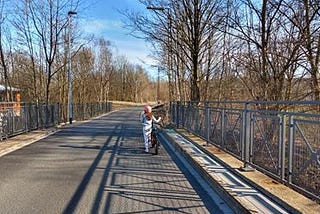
column 268, row 48
column 49, row 19
column 104, row 69
column 22, row 23
column 84, row 79
column 188, row 25
column 3, row 56
column 305, row 16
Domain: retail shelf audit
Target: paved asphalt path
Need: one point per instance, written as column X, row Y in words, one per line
column 98, row 167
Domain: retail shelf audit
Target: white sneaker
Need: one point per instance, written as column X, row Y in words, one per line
column 146, row 150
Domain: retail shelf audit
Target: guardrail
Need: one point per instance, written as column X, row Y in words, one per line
column 31, row 116
column 282, row 139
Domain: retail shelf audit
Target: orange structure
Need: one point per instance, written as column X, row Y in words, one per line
column 16, row 99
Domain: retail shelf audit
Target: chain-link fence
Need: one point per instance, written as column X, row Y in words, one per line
column 279, row 138
column 30, row 117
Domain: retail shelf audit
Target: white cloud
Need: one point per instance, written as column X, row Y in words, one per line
column 99, row 26
column 137, row 51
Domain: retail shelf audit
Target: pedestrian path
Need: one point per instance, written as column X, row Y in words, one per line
column 248, row 192
column 16, row 142
column 241, row 188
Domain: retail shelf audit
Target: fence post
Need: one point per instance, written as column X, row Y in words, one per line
column 223, row 128
column 290, row 152
column 46, row 115
column 172, row 112
column 208, row 122
column 188, row 113
column 13, row 120
column 282, row 146
column 59, row 114
column 178, row 114
column 182, row 112
column 246, row 139
column 26, row 116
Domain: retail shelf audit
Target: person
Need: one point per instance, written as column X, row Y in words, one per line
column 147, row 119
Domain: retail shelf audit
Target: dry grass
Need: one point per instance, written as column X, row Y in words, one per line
column 125, row 103
column 116, row 105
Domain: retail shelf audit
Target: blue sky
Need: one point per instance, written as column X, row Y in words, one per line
column 103, row 19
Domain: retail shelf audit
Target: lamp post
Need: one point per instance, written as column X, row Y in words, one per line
column 156, row 8
column 159, row 8
column 70, row 110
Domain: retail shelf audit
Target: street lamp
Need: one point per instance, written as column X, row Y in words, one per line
column 155, row 8
column 160, row 8
column 70, row 112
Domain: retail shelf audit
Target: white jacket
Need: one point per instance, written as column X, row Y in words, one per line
column 147, row 124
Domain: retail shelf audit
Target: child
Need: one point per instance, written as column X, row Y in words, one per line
column 146, row 119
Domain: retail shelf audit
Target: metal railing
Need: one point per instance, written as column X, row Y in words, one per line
column 282, row 139
column 30, row 117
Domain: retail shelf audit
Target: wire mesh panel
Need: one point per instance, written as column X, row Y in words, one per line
column 79, row 112
column 187, row 116
column 31, row 116
column 200, row 127
column 18, row 121
column 4, row 129
column 232, row 133
column 184, row 115
column 196, row 120
column 263, row 134
column 265, row 141
column 215, row 136
column 306, row 154
column 42, row 116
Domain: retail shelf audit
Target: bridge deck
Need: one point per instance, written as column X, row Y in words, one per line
column 249, row 197
column 287, row 197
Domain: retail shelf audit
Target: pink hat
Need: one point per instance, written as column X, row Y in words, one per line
column 147, row 109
